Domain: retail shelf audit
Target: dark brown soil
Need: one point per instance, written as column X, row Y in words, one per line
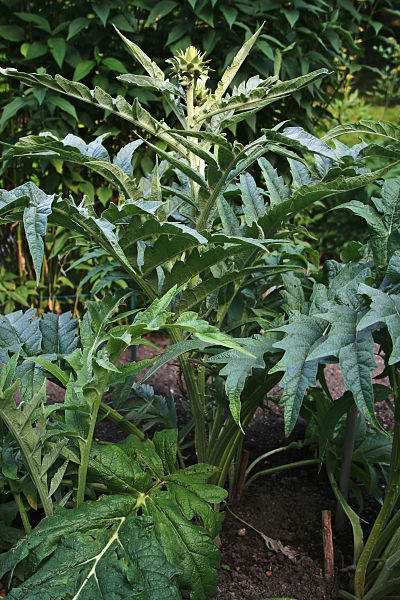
column 286, row 507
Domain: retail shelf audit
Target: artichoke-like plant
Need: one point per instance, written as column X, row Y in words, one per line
column 189, row 66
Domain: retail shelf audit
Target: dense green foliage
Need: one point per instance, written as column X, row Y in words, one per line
column 79, row 39
column 206, row 239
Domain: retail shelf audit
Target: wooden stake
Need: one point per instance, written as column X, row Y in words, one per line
column 329, row 563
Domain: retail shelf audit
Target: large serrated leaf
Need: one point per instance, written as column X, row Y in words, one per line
column 197, row 262
column 209, row 334
column 185, row 544
column 156, row 314
column 192, row 298
column 299, row 371
column 388, row 204
column 239, row 367
column 276, row 187
column 258, row 97
column 193, row 495
column 380, row 128
column 149, row 65
column 123, row 159
column 233, row 68
column 355, row 350
column 110, row 465
column 59, row 333
column 166, row 87
column 174, row 351
column 37, row 208
column 20, row 331
column 384, row 310
column 98, row 318
column 299, row 139
column 308, row 194
column 146, row 456
column 382, row 219
column 166, row 445
column 19, row 421
column 229, row 220
column 133, row 113
column 31, row 377
column 253, row 201
column 78, row 218
column 181, row 235
column 101, row 550
column 45, row 145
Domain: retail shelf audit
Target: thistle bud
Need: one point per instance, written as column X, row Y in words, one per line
column 189, row 65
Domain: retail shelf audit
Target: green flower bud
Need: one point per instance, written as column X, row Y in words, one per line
column 189, row 65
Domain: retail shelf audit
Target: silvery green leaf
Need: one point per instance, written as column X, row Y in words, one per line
column 238, row 367
column 254, row 206
column 276, row 187
column 149, row 65
column 381, row 128
column 384, row 310
column 123, row 159
column 299, row 370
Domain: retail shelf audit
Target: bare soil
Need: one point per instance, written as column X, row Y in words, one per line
column 287, row 507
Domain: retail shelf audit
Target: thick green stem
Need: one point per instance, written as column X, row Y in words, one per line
column 20, row 253
column 293, row 465
column 228, row 455
column 114, row 416
column 204, row 216
column 230, row 429
column 21, row 506
column 22, row 513
column 344, row 483
column 217, row 424
column 93, row 397
column 391, row 497
column 32, row 460
column 194, row 161
column 197, row 404
column 190, row 104
column 196, row 399
column 229, row 436
column 85, row 452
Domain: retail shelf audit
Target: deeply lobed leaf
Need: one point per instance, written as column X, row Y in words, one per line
column 101, row 550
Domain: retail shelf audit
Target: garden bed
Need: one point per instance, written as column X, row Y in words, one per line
column 285, row 506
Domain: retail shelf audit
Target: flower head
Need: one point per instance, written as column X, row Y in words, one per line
column 189, row 65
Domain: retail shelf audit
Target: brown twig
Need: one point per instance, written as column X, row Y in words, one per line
column 329, row 563
column 275, row 545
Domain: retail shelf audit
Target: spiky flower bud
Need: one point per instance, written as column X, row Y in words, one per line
column 201, row 91
column 189, row 65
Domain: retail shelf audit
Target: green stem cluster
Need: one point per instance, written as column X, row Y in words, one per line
column 379, row 546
